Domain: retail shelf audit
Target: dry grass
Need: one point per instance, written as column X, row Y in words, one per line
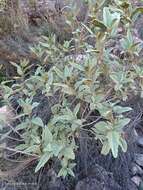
column 12, row 17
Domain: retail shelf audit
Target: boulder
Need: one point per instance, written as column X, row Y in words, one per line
column 98, row 178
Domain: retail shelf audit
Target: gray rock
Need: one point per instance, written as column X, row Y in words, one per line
column 138, row 158
column 136, row 169
column 49, row 181
column 140, row 141
column 132, row 186
column 98, row 178
column 137, row 180
column 91, row 183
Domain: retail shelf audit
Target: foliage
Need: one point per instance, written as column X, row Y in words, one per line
column 106, row 75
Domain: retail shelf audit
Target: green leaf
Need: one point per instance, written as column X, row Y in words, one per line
column 21, row 126
column 107, row 17
column 58, row 72
column 113, row 140
column 32, row 149
column 63, row 172
column 120, row 109
column 102, row 126
column 56, row 148
column 34, row 105
column 104, row 109
column 74, row 127
column 67, row 72
column 70, row 172
column 77, row 124
column 35, row 139
column 69, row 153
column 19, row 70
column 61, row 119
column 130, row 37
column 43, row 160
column 76, row 109
column 22, row 147
column 65, row 88
column 48, row 148
column 78, row 66
column 122, row 123
column 111, row 19
column 47, row 136
column 37, row 121
column 105, row 148
column 123, row 144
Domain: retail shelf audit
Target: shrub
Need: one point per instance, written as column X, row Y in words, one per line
column 109, row 72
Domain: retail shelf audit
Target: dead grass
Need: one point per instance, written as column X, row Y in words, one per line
column 12, row 17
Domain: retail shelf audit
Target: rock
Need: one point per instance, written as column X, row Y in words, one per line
column 89, row 183
column 6, row 116
column 51, row 182
column 132, row 186
column 98, row 178
column 93, row 184
column 140, row 141
column 136, row 169
column 139, row 159
column 137, row 180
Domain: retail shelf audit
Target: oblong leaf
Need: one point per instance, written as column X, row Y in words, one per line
column 123, row 144
column 120, row 109
column 113, row 139
column 47, row 136
column 43, row 160
column 102, row 126
column 105, row 148
column 122, row 123
column 37, row 121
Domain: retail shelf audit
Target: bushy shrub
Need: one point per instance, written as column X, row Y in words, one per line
column 87, row 77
